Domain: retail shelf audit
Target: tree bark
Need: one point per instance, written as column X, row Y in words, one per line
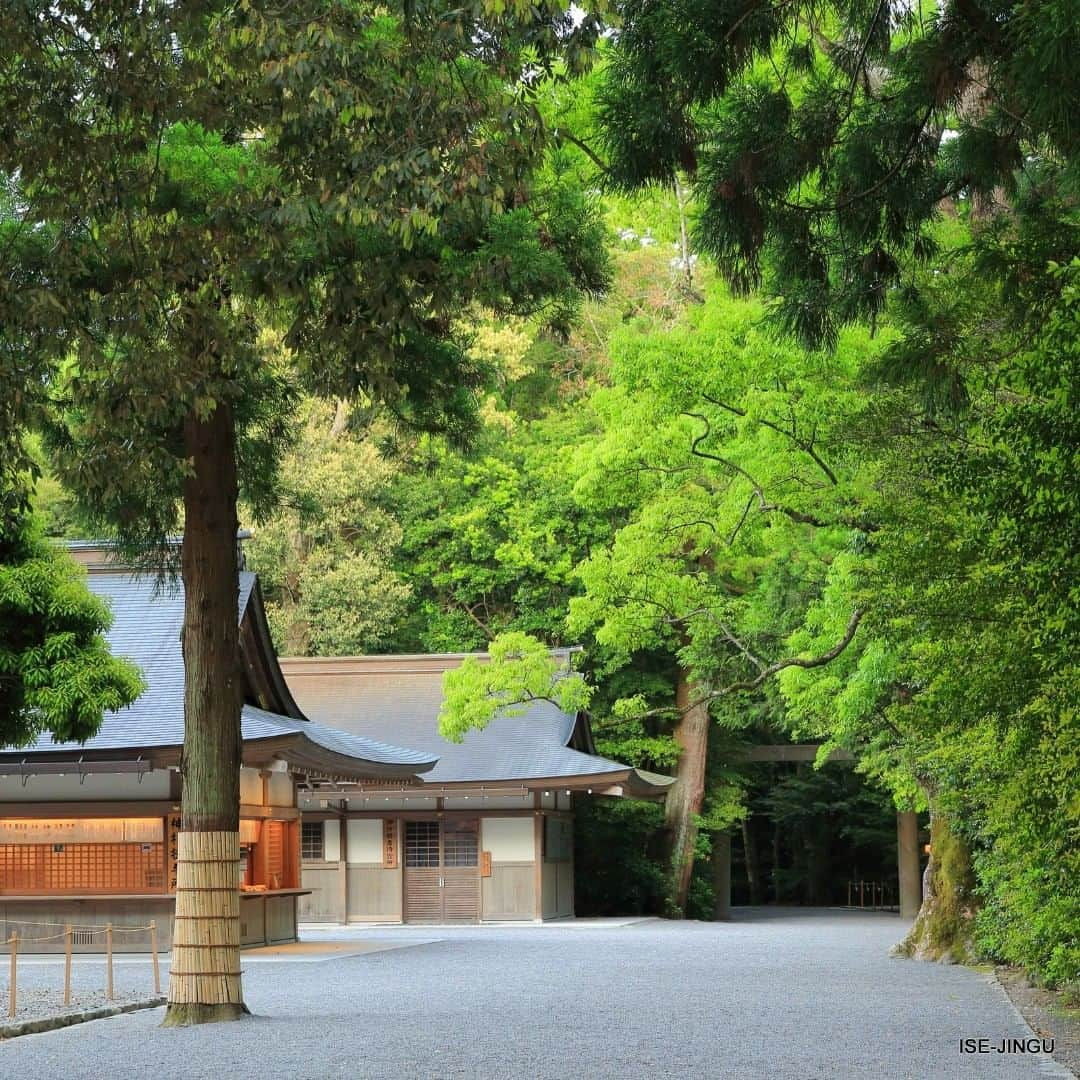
column 687, row 794
column 204, row 983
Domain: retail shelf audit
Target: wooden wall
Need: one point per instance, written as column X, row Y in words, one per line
column 355, row 887
column 47, row 916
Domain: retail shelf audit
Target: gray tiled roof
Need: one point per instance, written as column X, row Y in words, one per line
column 147, row 619
column 403, row 706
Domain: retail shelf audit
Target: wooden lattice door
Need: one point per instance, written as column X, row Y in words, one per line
column 442, row 871
column 461, row 870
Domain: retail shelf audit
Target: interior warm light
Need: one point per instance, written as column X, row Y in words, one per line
column 118, row 830
column 249, row 831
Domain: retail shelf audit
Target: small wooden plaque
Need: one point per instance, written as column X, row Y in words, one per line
column 172, row 847
column 485, row 864
column 389, row 844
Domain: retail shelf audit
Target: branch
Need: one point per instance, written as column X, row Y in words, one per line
column 763, row 504
column 802, row 444
column 792, row 661
column 583, row 147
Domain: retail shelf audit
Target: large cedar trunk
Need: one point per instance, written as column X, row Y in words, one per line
column 204, row 983
column 687, row 794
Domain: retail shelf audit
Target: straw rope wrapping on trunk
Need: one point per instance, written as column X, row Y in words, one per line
column 206, row 934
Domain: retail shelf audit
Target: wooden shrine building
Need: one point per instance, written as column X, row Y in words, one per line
column 485, row 835
column 88, row 831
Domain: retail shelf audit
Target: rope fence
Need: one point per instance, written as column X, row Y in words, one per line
column 68, row 932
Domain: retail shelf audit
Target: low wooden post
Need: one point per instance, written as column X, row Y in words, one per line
column 849, row 894
column 154, row 957
column 68, row 934
column 108, row 961
column 13, row 946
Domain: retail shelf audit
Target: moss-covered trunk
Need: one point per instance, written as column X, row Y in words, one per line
column 943, row 928
column 687, row 794
column 204, row 983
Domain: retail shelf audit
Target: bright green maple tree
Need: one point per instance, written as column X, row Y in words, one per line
column 57, row 676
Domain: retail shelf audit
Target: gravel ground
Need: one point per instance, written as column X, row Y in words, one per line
column 775, row 995
column 38, row 1004
column 40, row 987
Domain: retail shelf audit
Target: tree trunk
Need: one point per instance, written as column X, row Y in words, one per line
column 687, row 794
column 776, row 862
column 341, row 419
column 204, row 983
column 943, row 929
column 753, row 867
column 684, row 240
column 907, row 861
column 721, row 863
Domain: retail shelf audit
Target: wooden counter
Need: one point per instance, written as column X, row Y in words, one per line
column 268, row 918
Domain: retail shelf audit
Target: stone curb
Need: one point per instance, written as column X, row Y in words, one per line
column 53, row 1023
column 1048, row 1065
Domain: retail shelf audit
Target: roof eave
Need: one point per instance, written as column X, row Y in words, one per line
column 305, row 755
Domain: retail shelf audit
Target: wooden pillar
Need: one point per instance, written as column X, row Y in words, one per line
column 343, row 869
column 721, row 863
column 538, row 866
column 907, row 849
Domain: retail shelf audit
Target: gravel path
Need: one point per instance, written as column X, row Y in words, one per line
column 775, row 995
column 39, row 1004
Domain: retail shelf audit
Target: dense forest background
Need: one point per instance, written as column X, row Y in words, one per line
column 780, row 480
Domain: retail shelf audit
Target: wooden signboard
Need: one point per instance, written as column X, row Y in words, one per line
column 172, row 846
column 485, row 864
column 389, row 844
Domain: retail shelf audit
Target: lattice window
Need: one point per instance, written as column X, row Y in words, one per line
column 461, row 846
column 312, row 844
column 558, row 839
column 421, row 843
column 81, row 868
column 273, row 837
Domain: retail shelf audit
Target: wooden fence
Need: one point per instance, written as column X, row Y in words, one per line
column 872, row 895
column 85, row 933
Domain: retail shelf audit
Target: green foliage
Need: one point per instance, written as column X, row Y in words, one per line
column 727, row 451
column 521, row 670
column 815, row 134
column 959, row 685
column 324, row 557
column 616, row 841
column 56, row 674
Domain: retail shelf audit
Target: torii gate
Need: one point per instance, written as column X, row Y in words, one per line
column 907, row 834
